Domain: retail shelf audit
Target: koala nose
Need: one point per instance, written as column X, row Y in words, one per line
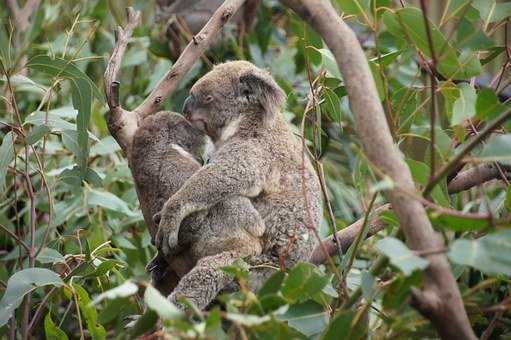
column 188, row 106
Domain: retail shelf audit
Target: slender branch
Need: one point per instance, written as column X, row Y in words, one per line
column 449, row 317
column 16, row 237
column 465, row 149
column 433, row 88
column 191, row 53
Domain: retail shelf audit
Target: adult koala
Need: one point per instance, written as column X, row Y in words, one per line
column 256, row 156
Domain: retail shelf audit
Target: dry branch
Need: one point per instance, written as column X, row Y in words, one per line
column 348, row 235
column 122, row 123
column 191, row 53
column 440, row 300
column 21, row 15
column 475, row 176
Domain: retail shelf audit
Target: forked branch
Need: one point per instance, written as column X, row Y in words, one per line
column 22, row 15
column 191, row 53
column 123, row 123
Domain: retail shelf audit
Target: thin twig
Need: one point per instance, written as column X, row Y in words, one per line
column 433, row 88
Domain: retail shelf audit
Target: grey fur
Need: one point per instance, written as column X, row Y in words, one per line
column 164, row 155
column 257, row 157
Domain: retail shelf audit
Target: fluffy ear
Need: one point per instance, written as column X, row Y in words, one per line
column 258, row 87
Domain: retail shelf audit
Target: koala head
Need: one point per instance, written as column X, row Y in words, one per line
column 231, row 92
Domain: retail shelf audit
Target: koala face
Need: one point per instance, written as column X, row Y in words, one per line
column 230, row 92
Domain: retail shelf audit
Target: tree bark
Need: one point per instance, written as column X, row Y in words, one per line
column 440, row 300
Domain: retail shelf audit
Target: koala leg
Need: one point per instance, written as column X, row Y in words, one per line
column 202, row 284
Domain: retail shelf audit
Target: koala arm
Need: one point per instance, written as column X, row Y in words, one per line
column 234, row 171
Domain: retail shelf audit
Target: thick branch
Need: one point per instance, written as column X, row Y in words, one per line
column 121, row 123
column 348, row 235
column 21, row 15
column 191, row 53
column 449, row 315
column 474, row 176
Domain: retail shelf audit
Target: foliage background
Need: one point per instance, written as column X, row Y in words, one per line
column 71, row 229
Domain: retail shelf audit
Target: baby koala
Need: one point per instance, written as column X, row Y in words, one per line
column 256, row 156
column 168, row 145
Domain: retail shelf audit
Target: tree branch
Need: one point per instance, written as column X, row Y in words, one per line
column 123, row 123
column 191, row 53
column 475, row 176
column 21, row 15
column 348, row 235
column 449, row 316
column 464, row 150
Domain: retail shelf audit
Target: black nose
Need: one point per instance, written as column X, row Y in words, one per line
column 188, row 106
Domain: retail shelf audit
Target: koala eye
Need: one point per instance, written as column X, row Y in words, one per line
column 208, row 99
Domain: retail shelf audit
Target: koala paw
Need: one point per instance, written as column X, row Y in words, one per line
column 167, row 235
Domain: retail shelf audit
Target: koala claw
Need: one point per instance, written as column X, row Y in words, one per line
column 167, row 236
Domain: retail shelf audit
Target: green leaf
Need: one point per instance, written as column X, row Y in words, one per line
column 303, row 281
column 491, row 11
column 490, row 254
column 309, row 318
column 62, row 68
column 50, row 255
column 409, row 22
column 56, row 123
column 96, row 330
column 144, row 324
column 421, row 172
column 37, row 133
column 396, row 294
column 105, row 146
column 20, row 284
column 273, row 284
column 109, row 201
column 498, row 148
column 6, row 157
column 331, row 104
column 458, row 223
column 400, row 256
column 247, row 319
column 159, row 303
column 341, row 327
column 354, row 7
column 329, row 62
column 82, row 101
column 488, row 105
column 52, row 331
column 128, row 288
column 465, row 106
column 274, row 330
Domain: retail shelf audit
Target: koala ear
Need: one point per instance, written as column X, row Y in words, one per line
column 259, row 87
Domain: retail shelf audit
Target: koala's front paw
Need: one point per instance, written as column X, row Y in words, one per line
column 167, row 235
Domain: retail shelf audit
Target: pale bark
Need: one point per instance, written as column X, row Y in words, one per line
column 440, row 300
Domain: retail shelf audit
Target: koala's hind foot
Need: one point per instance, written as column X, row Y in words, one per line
column 203, row 283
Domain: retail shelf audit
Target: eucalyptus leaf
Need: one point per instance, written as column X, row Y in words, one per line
column 20, row 284
column 400, row 256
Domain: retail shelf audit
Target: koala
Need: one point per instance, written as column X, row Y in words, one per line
column 165, row 153
column 257, row 157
